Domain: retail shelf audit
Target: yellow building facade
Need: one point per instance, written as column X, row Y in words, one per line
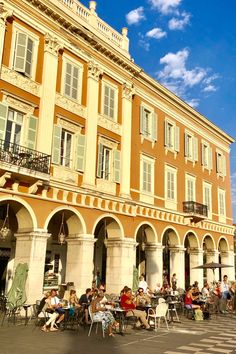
column 96, row 152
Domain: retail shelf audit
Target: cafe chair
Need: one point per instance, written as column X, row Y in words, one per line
column 157, row 314
column 93, row 321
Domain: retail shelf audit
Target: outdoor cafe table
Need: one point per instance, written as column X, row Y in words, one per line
column 120, row 313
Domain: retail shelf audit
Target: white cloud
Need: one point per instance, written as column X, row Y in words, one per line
column 194, row 102
column 156, row 33
column 179, row 23
column 135, row 16
column 209, row 88
column 144, row 44
column 165, row 6
column 175, row 69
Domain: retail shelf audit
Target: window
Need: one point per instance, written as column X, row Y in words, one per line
column 108, row 162
column 148, row 123
column 220, row 164
column 190, row 188
column 206, row 156
column 16, row 127
column 171, row 136
column 147, row 174
column 110, row 98
column 221, row 204
column 23, row 57
column 72, row 79
column 207, row 198
column 64, row 144
column 191, row 147
column 170, row 183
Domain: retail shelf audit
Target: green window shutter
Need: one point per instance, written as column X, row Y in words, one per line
column 106, row 101
column 56, row 150
column 100, row 158
column 195, row 149
column 32, row 132
column 116, row 166
column 202, row 152
column 29, row 56
column 186, row 146
column 217, row 163
column 3, row 119
column 68, row 78
column 166, row 134
column 142, row 120
column 80, row 152
column 210, row 157
column 223, row 165
column 176, row 138
column 154, row 126
column 20, row 52
column 75, row 81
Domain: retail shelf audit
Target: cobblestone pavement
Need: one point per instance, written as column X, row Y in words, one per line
column 217, row 335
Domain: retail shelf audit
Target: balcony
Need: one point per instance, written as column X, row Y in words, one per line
column 21, row 160
column 195, row 211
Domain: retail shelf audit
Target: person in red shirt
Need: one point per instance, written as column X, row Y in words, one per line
column 129, row 306
column 188, row 301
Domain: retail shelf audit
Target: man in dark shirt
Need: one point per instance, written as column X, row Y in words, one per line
column 84, row 301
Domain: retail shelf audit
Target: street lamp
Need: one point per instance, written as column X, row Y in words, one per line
column 5, row 230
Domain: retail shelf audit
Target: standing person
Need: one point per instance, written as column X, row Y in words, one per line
column 129, row 306
column 174, row 282
column 142, row 283
column 225, row 295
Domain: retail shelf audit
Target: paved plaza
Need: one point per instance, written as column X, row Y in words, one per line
column 217, row 335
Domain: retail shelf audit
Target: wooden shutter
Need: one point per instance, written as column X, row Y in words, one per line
column 154, row 127
column 166, row 133
column 217, row 162
column 100, row 159
column 68, row 77
column 116, row 157
column 142, row 120
column 210, row 158
column 223, row 165
column 32, row 132
column 195, row 148
column 106, row 101
column 186, row 146
column 20, row 52
column 75, row 80
column 29, row 56
column 80, row 149
column 56, row 151
column 3, row 119
column 176, row 147
column 112, row 103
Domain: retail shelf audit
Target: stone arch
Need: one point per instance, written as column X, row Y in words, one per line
column 150, row 232
column 114, row 226
column 192, row 239
column 223, row 244
column 209, row 242
column 25, row 216
column 74, row 220
column 174, row 238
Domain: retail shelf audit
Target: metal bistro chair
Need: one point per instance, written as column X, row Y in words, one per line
column 157, row 314
column 94, row 321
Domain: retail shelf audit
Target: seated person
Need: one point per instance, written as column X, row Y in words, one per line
column 56, row 304
column 102, row 314
column 189, row 298
column 74, row 301
column 129, row 306
column 53, row 315
column 84, row 301
column 142, row 299
column 158, row 288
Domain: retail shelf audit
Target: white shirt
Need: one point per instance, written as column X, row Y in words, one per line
column 143, row 284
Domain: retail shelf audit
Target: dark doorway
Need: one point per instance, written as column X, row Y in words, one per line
column 4, row 258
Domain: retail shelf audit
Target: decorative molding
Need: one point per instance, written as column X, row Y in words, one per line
column 16, row 79
column 18, row 104
column 34, row 187
column 70, row 105
column 94, row 70
column 109, row 125
column 127, row 91
column 52, row 44
column 5, row 12
column 106, row 187
column 3, row 178
column 62, row 174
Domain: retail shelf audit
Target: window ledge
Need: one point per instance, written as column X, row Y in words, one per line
column 65, row 174
column 170, row 204
column 147, row 198
column 109, row 124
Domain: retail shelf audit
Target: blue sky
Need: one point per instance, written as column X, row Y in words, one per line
column 189, row 46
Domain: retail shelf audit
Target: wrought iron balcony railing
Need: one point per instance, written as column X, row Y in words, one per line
column 195, row 209
column 21, row 156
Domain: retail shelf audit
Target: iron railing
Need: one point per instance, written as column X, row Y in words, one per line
column 195, row 208
column 21, row 156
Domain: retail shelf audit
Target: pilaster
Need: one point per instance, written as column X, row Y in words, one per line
column 127, row 94
column 47, row 103
column 31, row 249
column 5, row 13
column 89, row 176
